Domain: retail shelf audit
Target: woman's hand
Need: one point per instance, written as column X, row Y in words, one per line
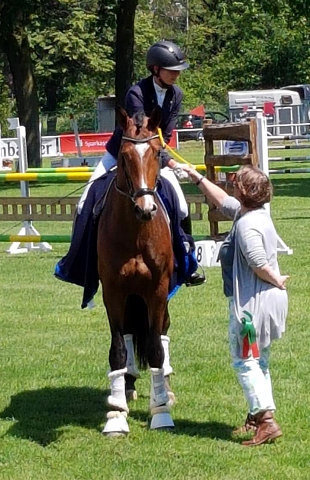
column 268, row 275
column 214, row 193
column 179, row 172
column 193, row 175
column 281, row 281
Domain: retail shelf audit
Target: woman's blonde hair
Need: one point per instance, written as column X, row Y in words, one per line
column 254, row 186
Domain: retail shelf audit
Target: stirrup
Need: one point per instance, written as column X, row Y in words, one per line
column 196, row 278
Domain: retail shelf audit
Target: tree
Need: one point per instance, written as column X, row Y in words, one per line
column 15, row 44
column 72, row 56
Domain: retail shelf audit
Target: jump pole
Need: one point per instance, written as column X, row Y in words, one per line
column 36, row 238
column 45, row 177
column 53, row 238
column 60, row 170
column 262, row 150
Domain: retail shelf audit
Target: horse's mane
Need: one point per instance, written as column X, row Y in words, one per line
column 138, row 119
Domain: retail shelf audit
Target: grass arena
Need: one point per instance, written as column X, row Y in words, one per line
column 54, row 362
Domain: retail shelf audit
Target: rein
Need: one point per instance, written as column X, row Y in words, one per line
column 139, row 140
column 141, row 191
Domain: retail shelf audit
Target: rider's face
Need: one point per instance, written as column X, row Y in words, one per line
column 167, row 77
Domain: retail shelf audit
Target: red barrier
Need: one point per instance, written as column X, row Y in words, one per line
column 94, row 142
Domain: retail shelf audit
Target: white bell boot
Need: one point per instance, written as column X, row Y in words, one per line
column 116, row 424
column 159, row 400
column 132, row 368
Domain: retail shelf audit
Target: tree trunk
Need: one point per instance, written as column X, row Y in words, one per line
column 51, row 105
column 124, row 48
column 16, row 47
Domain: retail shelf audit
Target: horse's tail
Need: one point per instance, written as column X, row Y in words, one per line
column 138, row 325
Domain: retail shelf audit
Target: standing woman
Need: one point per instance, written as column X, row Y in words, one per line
column 255, row 289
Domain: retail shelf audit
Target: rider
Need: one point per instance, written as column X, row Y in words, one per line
column 165, row 61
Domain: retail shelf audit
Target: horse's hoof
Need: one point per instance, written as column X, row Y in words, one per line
column 162, row 421
column 115, row 434
column 131, row 395
column 116, row 425
column 161, row 418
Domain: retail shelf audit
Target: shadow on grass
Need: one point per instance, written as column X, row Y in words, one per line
column 291, row 187
column 215, row 430
column 41, row 415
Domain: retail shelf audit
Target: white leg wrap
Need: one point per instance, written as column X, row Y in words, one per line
column 166, row 365
column 159, row 395
column 131, row 365
column 117, row 399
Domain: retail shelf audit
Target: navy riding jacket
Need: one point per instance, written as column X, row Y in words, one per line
column 142, row 97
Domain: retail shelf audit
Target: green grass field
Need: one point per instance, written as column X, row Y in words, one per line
column 54, row 363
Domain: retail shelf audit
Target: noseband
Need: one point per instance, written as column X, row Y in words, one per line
column 133, row 195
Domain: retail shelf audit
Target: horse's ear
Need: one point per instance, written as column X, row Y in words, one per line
column 121, row 117
column 154, row 119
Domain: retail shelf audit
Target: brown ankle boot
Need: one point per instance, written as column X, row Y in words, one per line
column 267, row 429
column 249, row 426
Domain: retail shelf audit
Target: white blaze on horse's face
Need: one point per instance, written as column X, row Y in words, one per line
column 145, row 202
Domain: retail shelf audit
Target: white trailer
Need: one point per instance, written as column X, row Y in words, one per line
column 304, row 92
column 287, row 107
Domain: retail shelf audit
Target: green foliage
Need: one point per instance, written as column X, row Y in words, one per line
column 230, row 45
column 6, row 106
column 145, row 36
column 68, row 51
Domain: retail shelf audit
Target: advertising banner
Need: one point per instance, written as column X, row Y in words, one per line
column 66, row 144
column 89, row 142
column 49, row 146
column 94, row 142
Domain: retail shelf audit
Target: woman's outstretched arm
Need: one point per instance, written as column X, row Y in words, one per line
column 214, row 193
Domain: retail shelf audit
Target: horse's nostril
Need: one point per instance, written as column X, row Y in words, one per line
column 138, row 210
column 154, row 209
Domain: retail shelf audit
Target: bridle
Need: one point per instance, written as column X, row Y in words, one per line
column 133, row 195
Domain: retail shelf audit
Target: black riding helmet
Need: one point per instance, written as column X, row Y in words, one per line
column 165, row 54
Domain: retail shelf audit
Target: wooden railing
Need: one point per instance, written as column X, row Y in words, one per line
column 52, row 208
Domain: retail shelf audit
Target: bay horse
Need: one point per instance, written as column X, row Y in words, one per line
column 135, row 264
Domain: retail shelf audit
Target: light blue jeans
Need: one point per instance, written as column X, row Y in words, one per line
column 253, row 373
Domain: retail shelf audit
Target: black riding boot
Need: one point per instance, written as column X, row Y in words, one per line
column 195, row 278
column 186, row 224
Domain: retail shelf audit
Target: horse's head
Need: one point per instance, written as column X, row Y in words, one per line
column 139, row 161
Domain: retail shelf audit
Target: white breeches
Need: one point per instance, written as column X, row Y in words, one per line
column 168, row 174
column 253, row 373
column 108, row 161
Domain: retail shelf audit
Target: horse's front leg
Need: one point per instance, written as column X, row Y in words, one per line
column 117, row 416
column 165, row 341
column 159, row 398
